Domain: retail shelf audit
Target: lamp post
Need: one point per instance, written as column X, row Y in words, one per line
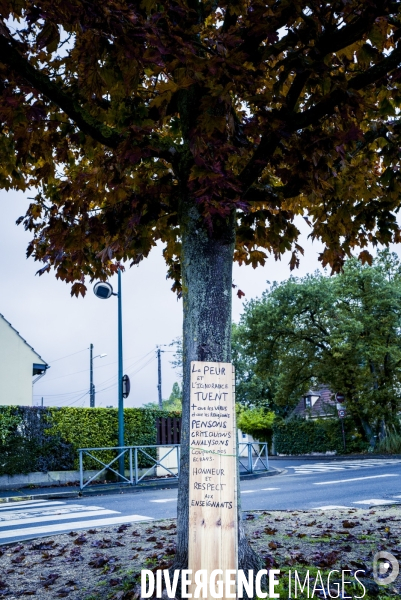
column 91, row 384
column 104, row 290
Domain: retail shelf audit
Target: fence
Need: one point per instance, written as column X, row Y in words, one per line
column 161, row 461
column 168, row 430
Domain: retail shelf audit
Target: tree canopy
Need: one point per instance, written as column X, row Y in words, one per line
column 343, row 331
column 115, row 111
column 207, row 126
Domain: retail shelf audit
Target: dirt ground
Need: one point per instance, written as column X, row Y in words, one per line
column 103, row 563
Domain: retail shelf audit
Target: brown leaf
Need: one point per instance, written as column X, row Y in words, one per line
column 80, row 540
column 270, row 530
column 98, row 562
column 350, row 524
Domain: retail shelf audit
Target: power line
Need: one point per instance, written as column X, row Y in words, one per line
column 127, row 368
column 61, row 396
column 67, row 356
column 78, row 399
column 130, row 373
column 65, row 394
column 96, row 367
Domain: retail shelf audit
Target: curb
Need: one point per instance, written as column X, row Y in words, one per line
column 102, row 490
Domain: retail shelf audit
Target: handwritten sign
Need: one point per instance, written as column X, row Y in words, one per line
column 213, row 469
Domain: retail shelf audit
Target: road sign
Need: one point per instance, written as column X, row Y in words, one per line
column 341, row 413
column 340, row 397
column 126, row 386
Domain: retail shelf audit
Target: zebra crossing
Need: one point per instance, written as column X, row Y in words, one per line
column 33, row 518
column 342, row 465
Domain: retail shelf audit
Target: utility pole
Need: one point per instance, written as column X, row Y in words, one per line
column 92, row 389
column 91, row 386
column 159, row 377
column 42, row 402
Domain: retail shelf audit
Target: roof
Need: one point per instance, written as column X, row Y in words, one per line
column 25, row 342
column 324, row 406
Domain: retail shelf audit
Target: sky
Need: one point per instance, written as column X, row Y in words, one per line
column 61, row 328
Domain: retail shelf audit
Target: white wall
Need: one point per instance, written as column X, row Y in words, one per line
column 16, row 360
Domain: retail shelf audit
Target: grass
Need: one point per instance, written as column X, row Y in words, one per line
column 391, row 444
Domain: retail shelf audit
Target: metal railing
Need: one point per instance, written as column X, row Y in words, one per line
column 252, row 457
column 134, row 454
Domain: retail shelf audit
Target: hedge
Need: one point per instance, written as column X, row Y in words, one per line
column 47, row 439
column 303, row 436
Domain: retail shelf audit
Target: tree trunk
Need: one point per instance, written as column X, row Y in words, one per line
column 207, row 291
column 368, row 432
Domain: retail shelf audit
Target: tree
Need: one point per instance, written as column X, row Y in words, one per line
column 284, row 337
column 204, row 125
column 342, row 331
column 250, row 389
column 174, row 401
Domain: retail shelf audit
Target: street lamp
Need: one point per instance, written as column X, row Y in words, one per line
column 104, row 290
column 91, row 384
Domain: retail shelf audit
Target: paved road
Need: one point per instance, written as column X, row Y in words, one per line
column 310, row 485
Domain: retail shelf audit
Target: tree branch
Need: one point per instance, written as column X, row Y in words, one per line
column 87, row 124
column 274, row 193
column 325, row 107
column 331, row 41
column 298, row 121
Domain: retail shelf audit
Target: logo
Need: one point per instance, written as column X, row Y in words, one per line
column 385, row 568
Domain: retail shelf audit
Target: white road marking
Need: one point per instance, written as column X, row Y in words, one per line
column 312, row 471
column 269, row 489
column 248, row 491
column 28, row 506
column 59, row 527
column 330, row 507
column 306, row 469
column 73, row 515
column 16, row 501
column 375, row 502
column 44, row 512
column 355, row 479
column 165, row 500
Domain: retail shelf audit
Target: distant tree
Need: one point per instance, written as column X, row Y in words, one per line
column 205, row 126
column 343, row 331
column 176, row 362
column 174, row 401
column 250, row 389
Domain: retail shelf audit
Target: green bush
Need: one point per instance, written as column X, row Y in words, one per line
column 47, row 439
column 255, row 421
column 301, row 436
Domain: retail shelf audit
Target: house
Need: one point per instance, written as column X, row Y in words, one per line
column 19, row 363
column 319, row 403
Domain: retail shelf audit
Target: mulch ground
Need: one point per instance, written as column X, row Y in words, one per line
column 104, row 563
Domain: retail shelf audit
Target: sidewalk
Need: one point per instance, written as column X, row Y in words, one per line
column 72, row 491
